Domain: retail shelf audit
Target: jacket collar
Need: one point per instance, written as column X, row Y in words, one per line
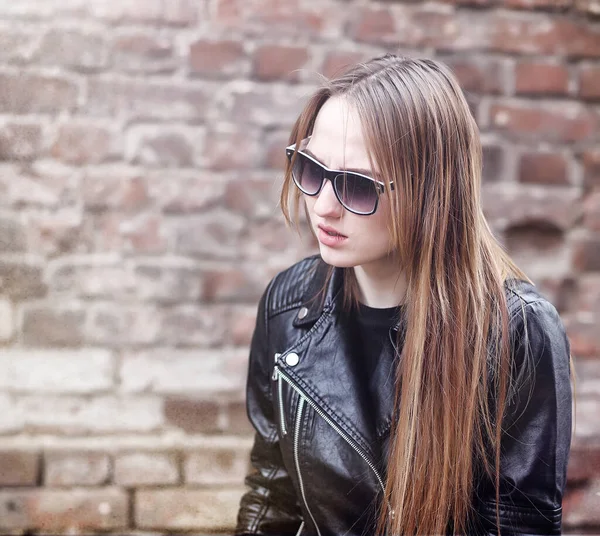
column 316, row 299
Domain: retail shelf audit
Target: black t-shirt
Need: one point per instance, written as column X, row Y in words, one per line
column 373, row 331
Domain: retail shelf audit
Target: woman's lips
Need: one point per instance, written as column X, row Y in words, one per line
column 330, row 237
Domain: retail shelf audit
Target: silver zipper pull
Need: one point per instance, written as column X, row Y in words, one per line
column 274, row 376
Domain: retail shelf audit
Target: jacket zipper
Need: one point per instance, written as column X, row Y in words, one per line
column 304, row 398
column 296, row 459
column 277, row 378
column 300, row 529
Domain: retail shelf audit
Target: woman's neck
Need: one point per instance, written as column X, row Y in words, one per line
column 381, row 284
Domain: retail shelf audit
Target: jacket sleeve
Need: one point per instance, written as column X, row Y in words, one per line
column 270, row 506
column 536, row 436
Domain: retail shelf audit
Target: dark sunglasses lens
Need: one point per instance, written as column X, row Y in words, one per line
column 307, row 174
column 357, row 193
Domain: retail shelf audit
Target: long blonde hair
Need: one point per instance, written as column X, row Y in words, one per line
column 454, row 375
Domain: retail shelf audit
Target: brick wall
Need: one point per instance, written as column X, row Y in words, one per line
column 140, row 152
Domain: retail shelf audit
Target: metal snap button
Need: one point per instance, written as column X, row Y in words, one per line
column 302, row 313
column 292, row 359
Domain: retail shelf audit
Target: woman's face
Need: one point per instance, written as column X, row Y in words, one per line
column 337, row 142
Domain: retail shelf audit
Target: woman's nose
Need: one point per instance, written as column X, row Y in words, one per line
column 327, row 204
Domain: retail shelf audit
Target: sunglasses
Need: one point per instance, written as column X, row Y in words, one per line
column 356, row 192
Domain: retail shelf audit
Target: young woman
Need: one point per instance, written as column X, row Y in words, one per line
column 410, row 379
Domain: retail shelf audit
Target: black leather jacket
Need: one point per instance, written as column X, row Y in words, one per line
column 319, row 456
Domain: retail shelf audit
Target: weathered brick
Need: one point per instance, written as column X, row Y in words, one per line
column 242, row 326
column 72, row 49
column 276, row 142
column 479, row 75
column 174, row 12
column 7, row 320
column 256, row 199
column 27, row 93
column 543, row 168
column 57, row 232
column 13, row 237
column 51, row 371
column 338, row 61
column 133, row 469
column 591, row 164
column 582, row 329
column 76, row 468
column 217, row 234
column 184, row 371
column 586, row 253
column 538, row 4
column 115, row 325
column 217, row 466
column 236, row 418
column 228, row 148
column 493, row 162
column 47, row 326
column 589, row 82
column 20, row 141
column 137, row 232
column 374, row 25
column 267, row 106
column 559, row 124
column 588, row 7
column 584, row 464
column 523, row 204
column 115, row 188
column 19, row 467
column 191, row 415
column 84, row 143
column 187, row 509
column 64, row 511
column 144, row 53
column 169, row 281
column 21, row 280
column 538, row 78
column 146, row 100
column 159, row 146
column 220, row 59
column 16, row 45
column 228, row 284
column 542, row 36
column 581, row 508
column 591, row 211
column 279, row 62
column 104, row 414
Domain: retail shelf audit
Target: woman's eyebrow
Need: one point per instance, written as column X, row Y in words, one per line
column 362, row 171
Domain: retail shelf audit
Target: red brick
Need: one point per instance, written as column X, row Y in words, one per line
column 141, row 233
column 588, row 7
column 556, row 36
column 543, row 168
column 237, row 419
column 192, row 416
column 79, row 144
column 146, row 100
column 229, row 284
column 374, row 26
column 216, row 58
column 67, row 511
column 535, row 78
column 187, row 509
column 242, row 326
column 524, row 122
column 47, row 326
column 493, row 163
column 586, row 253
column 163, row 147
column 478, row 75
column 584, row 337
column 26, row 93
column 73, row 49
column 144, row 53
column 336, row 62
column 19, row 468
column 115, row 189
column 13, row 236
column 279, row 62
column 174, row 12
column 581, row 508
column 591, row 164
column 57, row 232
column 538, row 4
column 77, row 468
column 589, row 82
column 268, row 107
column 217, row 466
column 20, row 141
column 185, row 192
column 134, row 469
column 591, row 210
column 21, row 280
column 232, row 148
column 256, row 198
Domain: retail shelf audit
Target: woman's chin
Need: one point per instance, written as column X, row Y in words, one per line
column 339, row 259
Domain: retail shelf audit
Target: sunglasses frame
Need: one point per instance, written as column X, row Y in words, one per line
column 331, row 175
